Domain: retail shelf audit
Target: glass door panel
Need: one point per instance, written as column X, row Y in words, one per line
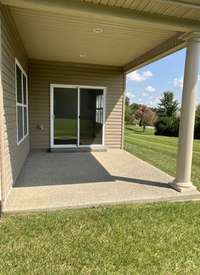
column 65, row 116
column 91, row 116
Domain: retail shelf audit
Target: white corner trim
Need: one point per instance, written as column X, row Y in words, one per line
column 2, row 140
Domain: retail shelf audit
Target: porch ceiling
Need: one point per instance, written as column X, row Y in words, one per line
column 70, row 38
column 183, row 9
column 134, row 33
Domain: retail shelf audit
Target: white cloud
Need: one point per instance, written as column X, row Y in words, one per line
column 138, row 77
column 154, row 101
column 178, row 82
column 130, row 95
column 150, row 89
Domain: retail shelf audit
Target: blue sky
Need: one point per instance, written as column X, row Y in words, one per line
column 146, row 86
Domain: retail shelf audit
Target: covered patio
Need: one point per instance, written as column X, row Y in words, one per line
column 75, row 47
column 70, row 180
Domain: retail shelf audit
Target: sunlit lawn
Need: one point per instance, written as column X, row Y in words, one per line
column 159, row 238
column 137, row 239
column 159, row 150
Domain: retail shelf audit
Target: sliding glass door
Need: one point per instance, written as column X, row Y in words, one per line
column 65, row 126
column 77, row 116
column 91, row 116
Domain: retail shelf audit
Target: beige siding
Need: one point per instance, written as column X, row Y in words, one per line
column 43, row 73
column 14, row 156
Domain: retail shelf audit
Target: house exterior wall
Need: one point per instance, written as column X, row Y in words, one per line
column 11, row 47
column 44, row 73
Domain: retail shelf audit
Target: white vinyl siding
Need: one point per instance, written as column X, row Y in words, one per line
column 12, row 47
column 42, row 73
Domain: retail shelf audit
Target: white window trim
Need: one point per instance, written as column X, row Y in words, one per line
column 21, row 104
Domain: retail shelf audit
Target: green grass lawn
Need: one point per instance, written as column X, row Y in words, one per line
column 68, row 127
column 160, row 238
column 159, row 150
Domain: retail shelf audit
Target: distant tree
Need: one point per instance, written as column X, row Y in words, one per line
column 152, row 117
column 168, row 106
column 154, row 109
column 167, row 123
column 146, row 116
column 127, row 101
column 167, row 126
column 134, row 107
column 128, row 112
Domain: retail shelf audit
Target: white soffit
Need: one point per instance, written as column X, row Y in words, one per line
column 71, row 38
column 182, row 9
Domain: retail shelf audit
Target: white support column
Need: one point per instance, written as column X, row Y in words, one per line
column 187, row 121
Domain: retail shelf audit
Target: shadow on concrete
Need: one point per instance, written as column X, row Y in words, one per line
column 143, row 182
column 45, row 169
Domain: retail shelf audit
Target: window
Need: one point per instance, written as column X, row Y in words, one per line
column 99, row 109
column 21, row 102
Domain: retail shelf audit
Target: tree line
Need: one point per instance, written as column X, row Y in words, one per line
column 165, row 117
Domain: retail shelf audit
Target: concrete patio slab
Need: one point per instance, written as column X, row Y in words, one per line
column 52, row 181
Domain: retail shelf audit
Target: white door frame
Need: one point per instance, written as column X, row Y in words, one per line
column 78, row 87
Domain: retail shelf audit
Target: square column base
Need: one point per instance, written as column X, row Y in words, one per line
column 182, row 186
